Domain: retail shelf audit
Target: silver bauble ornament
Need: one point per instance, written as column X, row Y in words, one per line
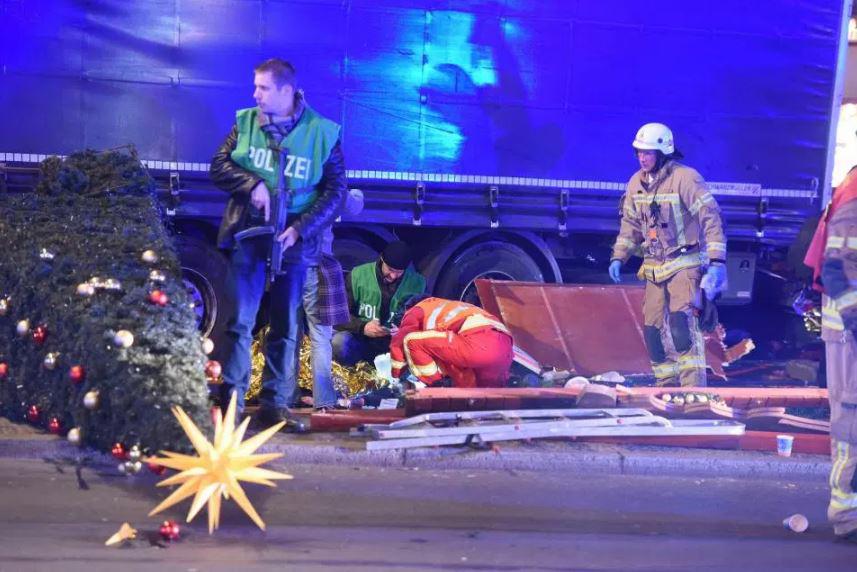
column 85, row 289
column 90, row 399
column 50, row 361
column 23, row 328
column 123, row 339
column 74, row 436
column 150, row 257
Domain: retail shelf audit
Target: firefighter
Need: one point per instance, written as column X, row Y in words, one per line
column 440, row 338
column 833, row 257
column 669, row 212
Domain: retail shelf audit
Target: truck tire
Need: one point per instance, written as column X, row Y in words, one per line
column 351, row 252
column 493, row 259
column 205, row 272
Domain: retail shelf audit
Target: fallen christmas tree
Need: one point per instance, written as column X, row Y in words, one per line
column 97, row 336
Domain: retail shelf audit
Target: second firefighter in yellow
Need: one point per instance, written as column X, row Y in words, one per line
column 670, row 214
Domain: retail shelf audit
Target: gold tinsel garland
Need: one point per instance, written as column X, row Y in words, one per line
column 347, row 381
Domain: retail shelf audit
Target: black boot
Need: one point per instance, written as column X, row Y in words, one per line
column 270, row 416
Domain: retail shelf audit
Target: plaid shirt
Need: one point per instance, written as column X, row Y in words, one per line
column 332, row 298
column 278, row 127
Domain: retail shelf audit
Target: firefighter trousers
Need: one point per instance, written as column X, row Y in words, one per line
column 842, row 391
column 669, row 315
column 476, row 358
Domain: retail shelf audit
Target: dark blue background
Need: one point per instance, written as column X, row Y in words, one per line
column 541, row 88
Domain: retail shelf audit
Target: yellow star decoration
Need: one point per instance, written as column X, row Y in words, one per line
column 125, row 532
column 218, row 468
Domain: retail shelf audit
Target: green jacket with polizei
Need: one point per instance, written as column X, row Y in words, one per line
column 308, row 147
column 367, row 293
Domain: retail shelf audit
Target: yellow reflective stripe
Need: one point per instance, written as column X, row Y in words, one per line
column 842, row 495
column 691, row 364
column 852, row 242
column 664, row 370
column 837, row 459
column 480, row 320
column 427, row 370
column 835, row 242
column 418, row 336
column 679, row 222
column 450, row 316
column 667, row 269
column 843, row 458
column 454, row 308
column 705, row 199
column 396, row 364
column 845, row 301
column 715, row 248
column 840, row 499
column 624, row 242
column 843, row 506
column 432, row 319
column 830, row 316
column 672, row 198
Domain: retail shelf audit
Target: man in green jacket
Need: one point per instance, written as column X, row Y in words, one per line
column 375, row 290
column 247, row 166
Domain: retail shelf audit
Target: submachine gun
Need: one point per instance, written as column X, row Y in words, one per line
column 279, row 210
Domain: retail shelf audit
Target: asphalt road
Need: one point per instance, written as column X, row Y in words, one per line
column 53, row 517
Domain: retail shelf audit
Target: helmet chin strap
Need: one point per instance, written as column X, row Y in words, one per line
column 660, row 162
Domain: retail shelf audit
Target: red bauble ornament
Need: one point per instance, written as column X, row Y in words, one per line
column 169, row 530
column 76, row 374
column 33, row 414
column 213, row 370
column 40, row 334
column 4, row 370
column 54, row 426
column 118, row 451
column 156, row 468
column 158, row 297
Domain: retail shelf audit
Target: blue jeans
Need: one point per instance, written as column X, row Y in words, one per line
column 279, row 383
column 323, row 393
column 350, row 348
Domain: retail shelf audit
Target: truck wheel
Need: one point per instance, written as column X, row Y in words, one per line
column 205, row 272
column 351, row 252
column 494, row 259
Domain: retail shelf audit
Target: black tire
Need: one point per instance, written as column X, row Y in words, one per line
column 493, row 259
column 351, row 252
column 205, row 271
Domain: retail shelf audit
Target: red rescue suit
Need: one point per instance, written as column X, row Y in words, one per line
column 440, row 338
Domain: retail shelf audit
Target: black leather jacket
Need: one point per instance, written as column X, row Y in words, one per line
column 239, row 183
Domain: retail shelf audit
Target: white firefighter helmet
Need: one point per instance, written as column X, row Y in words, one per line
column 655, row 137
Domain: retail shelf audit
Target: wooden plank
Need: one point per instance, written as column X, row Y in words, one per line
column 336, row 421
column 431, row 399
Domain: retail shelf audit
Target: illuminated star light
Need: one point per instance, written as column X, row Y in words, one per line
column 218, row 468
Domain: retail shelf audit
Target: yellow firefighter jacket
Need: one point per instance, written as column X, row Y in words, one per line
column 673, row 218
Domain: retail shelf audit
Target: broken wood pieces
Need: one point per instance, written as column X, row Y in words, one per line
column 462, row 428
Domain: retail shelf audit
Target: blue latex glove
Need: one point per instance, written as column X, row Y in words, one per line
column 714, row 281
column 615, row 266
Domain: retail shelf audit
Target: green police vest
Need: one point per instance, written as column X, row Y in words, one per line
column 308, row 144
column 367, row 293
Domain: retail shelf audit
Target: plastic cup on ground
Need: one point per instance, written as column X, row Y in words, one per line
column 784, row 445
column 796, row 523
